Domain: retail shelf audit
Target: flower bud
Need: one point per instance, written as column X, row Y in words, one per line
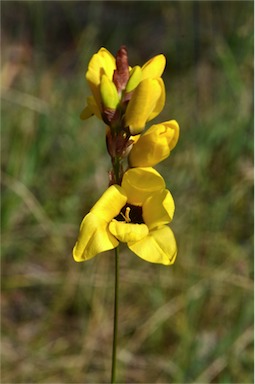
column 154, row 145
column 101, row 62
column 109, row 93
column 134, row 78
column 146, row 102
column 121, row 73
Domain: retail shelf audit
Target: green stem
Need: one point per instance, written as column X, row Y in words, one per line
column 115, row 321
column 117, row 168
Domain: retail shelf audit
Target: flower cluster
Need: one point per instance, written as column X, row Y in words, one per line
column 136, row 207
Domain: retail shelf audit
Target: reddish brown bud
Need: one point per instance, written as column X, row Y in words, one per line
column 118, row 145
column 121, row 73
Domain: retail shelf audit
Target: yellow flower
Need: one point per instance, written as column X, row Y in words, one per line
column 147, row 102
column 109, row 94
column 148, row 99
column 135, row 213
column 144, row 92
column 154, row 145
column 101, row 64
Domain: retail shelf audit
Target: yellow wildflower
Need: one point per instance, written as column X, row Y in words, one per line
column 154, row 145
column 135, row 213
column 146, row 103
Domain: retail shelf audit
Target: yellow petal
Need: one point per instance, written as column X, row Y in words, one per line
column 86, row 113
column 94, row 107
column 94, row 238
column 102, row 62
column 158, row 209
column 110, row 203
column 90, row 109
column 135, row 138
column 140, row 183
column 155, row 144
column 109, row 93
column 143, row 103
column 126, row 232
column 158, row 247
column 154, row 67
column 160, row 103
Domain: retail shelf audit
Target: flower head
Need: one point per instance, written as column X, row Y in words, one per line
column 135, row 213
column 132, row 96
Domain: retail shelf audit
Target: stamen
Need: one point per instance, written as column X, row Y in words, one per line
column 126, row 216
column 131, row 214
column 128, row 220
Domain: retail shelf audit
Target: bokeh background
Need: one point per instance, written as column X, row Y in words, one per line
column 191, row 322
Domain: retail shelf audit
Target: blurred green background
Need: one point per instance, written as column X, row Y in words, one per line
column 191, row 322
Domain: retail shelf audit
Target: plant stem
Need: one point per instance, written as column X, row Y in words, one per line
column 117, row 168
column 115, row 321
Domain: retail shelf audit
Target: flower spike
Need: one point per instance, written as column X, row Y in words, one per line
column 136, row 208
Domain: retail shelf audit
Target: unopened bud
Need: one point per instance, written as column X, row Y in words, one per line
column 121, row 73
column 155, row 144
column 147, row 100
column 135, row 77
column 109, row 94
